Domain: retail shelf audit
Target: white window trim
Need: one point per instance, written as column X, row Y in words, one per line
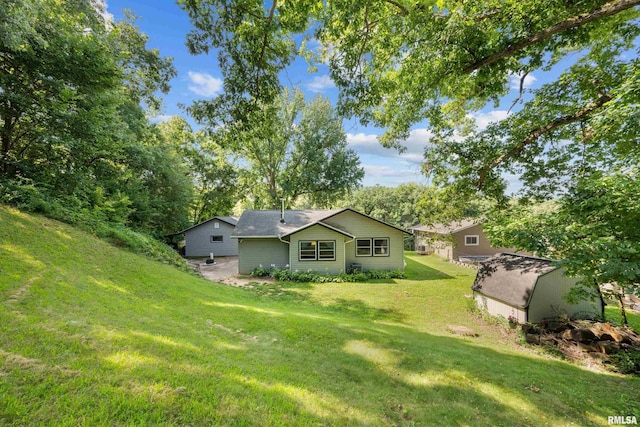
column 477, row 243
column 216, row 225
column 373, row 249
column 370, row 248
column 315, row 248
column 333, row 258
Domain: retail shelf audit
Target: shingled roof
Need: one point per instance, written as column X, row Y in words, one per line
column 511, row 278
column 267, row 223
column 231, row 220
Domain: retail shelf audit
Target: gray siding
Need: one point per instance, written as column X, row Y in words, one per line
column 253, row 253
column 317, row 232
column 547, row 299
column 198, row 240
column 363, row 227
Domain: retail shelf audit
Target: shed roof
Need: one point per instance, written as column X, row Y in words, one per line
column 511, row 278
column 452, row 227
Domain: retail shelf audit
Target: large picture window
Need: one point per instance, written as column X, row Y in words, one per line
column 317, row 250
column 381, row 247
column 363, row 247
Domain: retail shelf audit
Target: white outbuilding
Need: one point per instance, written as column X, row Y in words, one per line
column 529, row 289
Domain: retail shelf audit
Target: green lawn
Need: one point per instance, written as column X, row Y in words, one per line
column 92, row 335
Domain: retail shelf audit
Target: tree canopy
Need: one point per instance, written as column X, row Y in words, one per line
column 291, row 149
column 75, row 89
column 398, row 64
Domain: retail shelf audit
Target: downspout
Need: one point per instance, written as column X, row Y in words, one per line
column 344, row 251
column 288, row 243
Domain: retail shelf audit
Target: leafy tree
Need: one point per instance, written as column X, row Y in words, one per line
column 594, row 230
column 72, row 90
column 395, row 205
column 398, row 63
column 294, row 149
column 210, row 168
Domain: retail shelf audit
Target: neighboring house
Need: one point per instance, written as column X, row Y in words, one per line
column 529, row 289
column 212, row 236
column 326, row 241
column 459, row 241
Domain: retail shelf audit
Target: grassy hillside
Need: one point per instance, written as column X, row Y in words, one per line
column 92, row 335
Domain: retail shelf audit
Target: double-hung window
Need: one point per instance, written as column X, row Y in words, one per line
column 326, row 250
column 378, row 246
column 381, row 247
column 363, row 247
column 317, row 250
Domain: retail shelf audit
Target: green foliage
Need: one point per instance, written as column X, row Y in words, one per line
column 626, row 362
column 293, row 149
column 114, row 339
column 72, row 91
column 100, row 219
column 209, row 166
column 287, row 275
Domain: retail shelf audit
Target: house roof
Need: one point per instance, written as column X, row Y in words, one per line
column 267, row 223
column 264, row 224
column 450, row 228
column 231, row 220
column 511, row 278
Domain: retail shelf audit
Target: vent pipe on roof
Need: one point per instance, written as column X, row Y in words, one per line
column 282, row 211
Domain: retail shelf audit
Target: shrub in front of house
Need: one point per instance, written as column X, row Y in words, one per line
column 286, row 275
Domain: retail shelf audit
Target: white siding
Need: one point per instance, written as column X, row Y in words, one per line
column 547, row 299
column 498, row 308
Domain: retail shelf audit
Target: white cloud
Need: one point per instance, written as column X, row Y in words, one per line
column 204, row 84
column 320, row 83
column 529, row 80
column 368, row 144
column 483, row 119
column 391, row 174
column 161, row 118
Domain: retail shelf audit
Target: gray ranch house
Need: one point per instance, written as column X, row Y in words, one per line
column 325, row 241
column 212, row 236
column 459, row 241
column 530, row 289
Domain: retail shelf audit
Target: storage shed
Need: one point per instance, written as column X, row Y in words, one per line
column 529, row 289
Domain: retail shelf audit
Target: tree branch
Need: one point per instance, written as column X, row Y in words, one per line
column 403, row 10
column 608, row 9
column 265, row 39
column 537, row 133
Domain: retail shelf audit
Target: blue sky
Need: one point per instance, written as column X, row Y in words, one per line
column 199, row 78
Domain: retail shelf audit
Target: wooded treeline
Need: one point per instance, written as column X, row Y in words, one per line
column 78, row 93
